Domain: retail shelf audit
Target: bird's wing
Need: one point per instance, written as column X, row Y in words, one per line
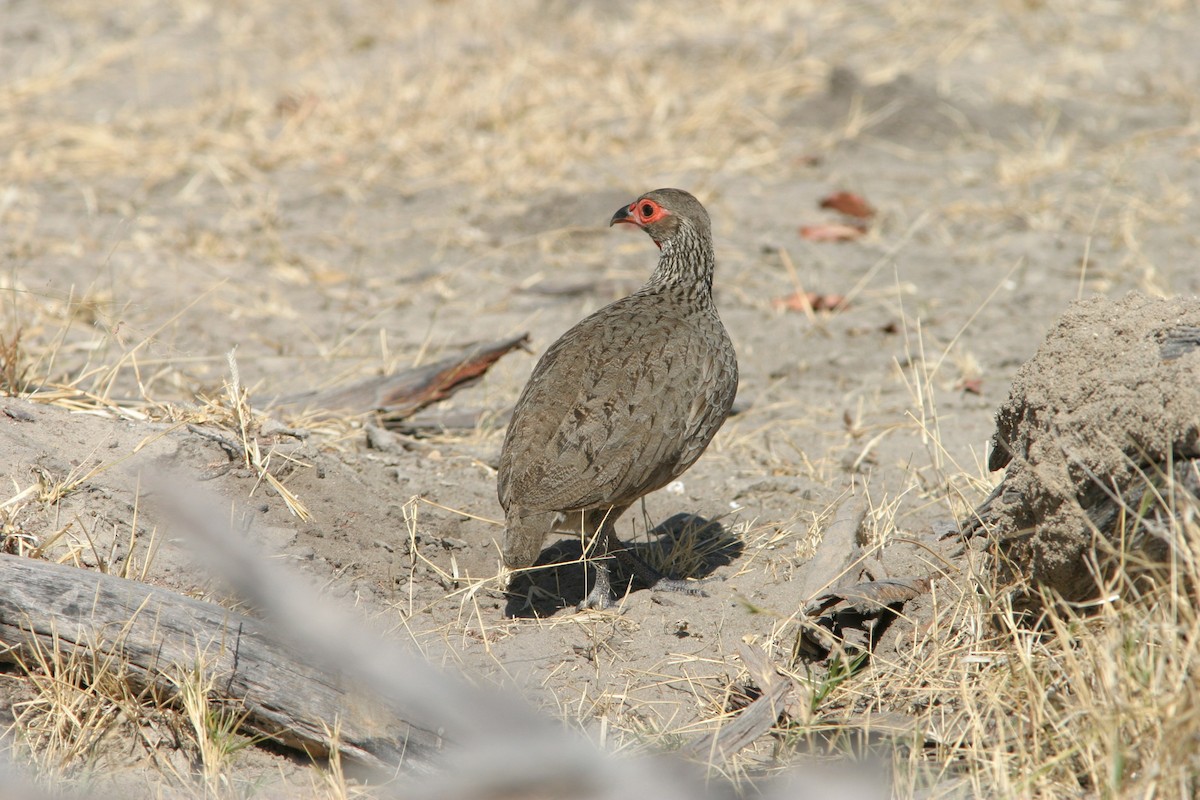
column 611, row 412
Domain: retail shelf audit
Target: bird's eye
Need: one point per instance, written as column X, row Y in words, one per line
column 647, row 209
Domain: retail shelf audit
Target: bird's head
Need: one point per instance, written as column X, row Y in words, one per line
column 663, row 214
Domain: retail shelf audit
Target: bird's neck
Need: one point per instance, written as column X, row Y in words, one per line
column 686, row 263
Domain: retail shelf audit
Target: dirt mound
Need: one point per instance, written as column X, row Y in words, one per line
column 1107, row 410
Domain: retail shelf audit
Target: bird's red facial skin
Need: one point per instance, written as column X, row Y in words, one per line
column 646, row 212
column 643, row 212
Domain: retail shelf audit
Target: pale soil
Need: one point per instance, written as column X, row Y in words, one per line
column 1106, row 412
column 339, row 191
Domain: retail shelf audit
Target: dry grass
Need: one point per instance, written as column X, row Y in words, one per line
column 86, row 725
column 1091, row 701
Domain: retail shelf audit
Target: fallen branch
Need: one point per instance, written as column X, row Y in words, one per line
column 402, row 394
column 755, row 720
column 158, row 633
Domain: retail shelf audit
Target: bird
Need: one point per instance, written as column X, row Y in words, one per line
column 622, row 403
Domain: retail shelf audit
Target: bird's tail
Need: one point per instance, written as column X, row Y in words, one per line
column 524, row 534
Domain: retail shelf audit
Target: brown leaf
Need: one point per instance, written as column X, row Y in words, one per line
column 831, row 232
column 811, row 301
column 848, row 203
column 971, row 385
column 827, row 302
column 296, row 105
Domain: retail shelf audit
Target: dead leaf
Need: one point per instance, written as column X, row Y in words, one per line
column 848, row 203
column 811, row 301
column 831, row 232
column 295, row 105
column 971, row 385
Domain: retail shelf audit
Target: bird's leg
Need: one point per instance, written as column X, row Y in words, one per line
column 600, row 524
column 600, row 597
column 603, row 524
column 652, row 577
column 648, row 575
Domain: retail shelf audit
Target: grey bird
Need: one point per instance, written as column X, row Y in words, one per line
column 623, row 403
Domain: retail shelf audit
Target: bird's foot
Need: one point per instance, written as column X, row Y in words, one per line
column 655, row 580
column 600, row 597
column 676, row 585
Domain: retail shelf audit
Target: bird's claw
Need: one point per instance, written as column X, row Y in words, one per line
column 674, row 585
column 599, row 599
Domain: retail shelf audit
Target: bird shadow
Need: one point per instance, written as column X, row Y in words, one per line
column 683, row 546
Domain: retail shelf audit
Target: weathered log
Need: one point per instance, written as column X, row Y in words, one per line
column 755, row 720
column 402, row 394
column 159, row 635
column 837, row 561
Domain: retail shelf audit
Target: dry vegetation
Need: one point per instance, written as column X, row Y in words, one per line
column 204, row 205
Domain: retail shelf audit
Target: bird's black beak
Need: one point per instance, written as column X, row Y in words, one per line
column 622, row 215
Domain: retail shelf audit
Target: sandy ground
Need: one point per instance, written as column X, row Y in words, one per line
column 333, row 191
